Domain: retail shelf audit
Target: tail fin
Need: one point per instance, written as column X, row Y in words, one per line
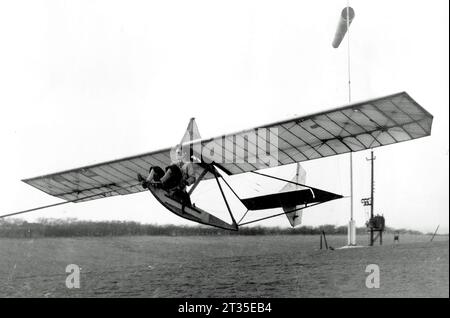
column 192, row 133
column 295, row 218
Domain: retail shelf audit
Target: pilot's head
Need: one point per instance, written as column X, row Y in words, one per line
column 181, row 155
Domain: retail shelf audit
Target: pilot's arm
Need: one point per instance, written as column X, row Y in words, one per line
column 190, row 174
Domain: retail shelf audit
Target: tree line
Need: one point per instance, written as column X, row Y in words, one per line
column 17, row 228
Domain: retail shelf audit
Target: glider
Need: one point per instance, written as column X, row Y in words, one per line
column 364, row 125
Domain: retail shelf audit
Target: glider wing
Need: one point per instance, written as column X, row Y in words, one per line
column 365, row 125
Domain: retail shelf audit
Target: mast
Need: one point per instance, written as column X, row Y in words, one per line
column 351, row 225
column 372, row 182
column 343, row 27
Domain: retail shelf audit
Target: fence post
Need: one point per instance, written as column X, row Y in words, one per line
column 324, row 239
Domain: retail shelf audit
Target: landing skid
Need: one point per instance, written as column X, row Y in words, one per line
column 191, row 213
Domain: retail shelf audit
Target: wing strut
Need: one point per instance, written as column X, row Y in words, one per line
column 232, row 190
column 202, row 175
column 216, row 174
column 223, row 195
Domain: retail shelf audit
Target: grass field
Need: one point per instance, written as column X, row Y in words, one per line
column 231, row 266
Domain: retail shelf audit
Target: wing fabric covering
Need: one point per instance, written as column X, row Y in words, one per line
column 365, row 125
column 105, row 179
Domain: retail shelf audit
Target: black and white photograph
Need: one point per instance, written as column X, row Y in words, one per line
column 237, row 150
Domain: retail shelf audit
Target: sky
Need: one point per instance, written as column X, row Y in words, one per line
column 83, row 82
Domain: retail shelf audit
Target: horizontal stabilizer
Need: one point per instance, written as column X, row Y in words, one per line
column 291, row 198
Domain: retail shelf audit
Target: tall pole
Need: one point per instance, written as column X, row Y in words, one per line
column 348, row 53
column 346, row 18
column 351, row 186
column 372, row 181
column 351, row 228
column 372, row 159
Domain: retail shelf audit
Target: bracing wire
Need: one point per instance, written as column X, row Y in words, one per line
column 239, row 222
column 65, row 202
column 285, row 212
column 285, row 180
column 282, row 213
column 280, row 179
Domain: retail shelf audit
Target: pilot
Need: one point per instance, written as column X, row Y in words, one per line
column 176, row 177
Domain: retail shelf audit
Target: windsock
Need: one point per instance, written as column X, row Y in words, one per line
column 342, row 26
